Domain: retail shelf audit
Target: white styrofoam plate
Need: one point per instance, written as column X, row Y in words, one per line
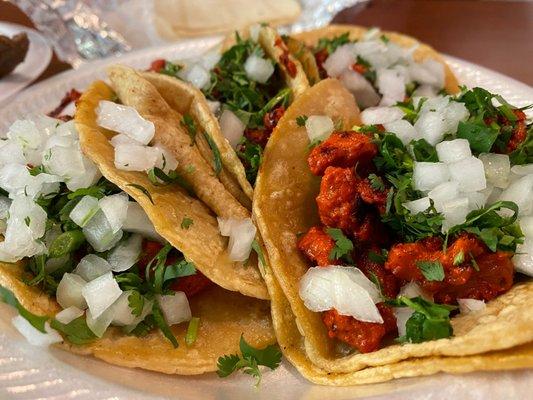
column 36, row 61
column 27, row 372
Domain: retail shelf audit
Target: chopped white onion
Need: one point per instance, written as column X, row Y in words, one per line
column 417, row 206
column 318, row 127
column 412, row 289
column 167, row 162
column 403, row 130
column 451, row 151
column 214, row 106
column 85, row 210
column 124, row 119
column 454, row 212
column 363, row 91
column 381, row 115
column 138, row 222
column 11, row 153
column 131, row 157
column 469, row 174
column 122, row 313
column 210, row 59
column 25, row 133
column 70, row 291
column 391, row 84
column 198, row 76
column 428, row 175
column 33, row 335
column 526, row 224
column 86, row 178
column 175, row 308
column 258, row 69
column 99, row 233
column 523, row 258
column 125, row 254
column 521, row 170
column 254, row 32
column 341, row 59
column 232, row 127
column 467, row 306
column 521, row 193
column 431, row 126
column 115, row 208
column 241, row 234
column 65, row 162
column 428, row 72
column 476, row 200
column 442, row 193
column 91, row 267
column 69, row 314
column 100, row 293
column 345, row 289
column 147, row 309
column 98, row 325
column 424, row 91
column 497, row 169
column 402, row 314
column 122, row 139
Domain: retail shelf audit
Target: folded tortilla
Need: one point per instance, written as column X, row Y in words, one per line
column 201, row 243
column 284, row 207
column 422, row 52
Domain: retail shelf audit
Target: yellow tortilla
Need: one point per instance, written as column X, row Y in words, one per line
column 423, row 51
column 186, row 99
column 284, row 207
column 224, row 316
column 201, row 242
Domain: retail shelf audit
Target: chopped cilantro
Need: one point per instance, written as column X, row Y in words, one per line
column 217, row 161
column 159, row 178
column 300, row 121
column 251, row 154
column 249, row 361
column 343, row 245
column 188, row 123
column 159, row 320
column 376, row 182
column 459, row 258
column 192, row 331
column 170, row 69
column 7, row 296
column 143, row 190
column 331, row 44
column 76, row 331
column 432, row 270
column 186, row 223
column 136, row 303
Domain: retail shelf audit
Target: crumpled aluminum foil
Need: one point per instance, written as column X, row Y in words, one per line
column 85, row 30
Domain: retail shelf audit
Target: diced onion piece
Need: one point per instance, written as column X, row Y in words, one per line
column 391, row 84
column 523, row 258
column 70, row 291
column 381, row 115
column 131, row 157
column 23, row 210
column 66, row 162
column 497, row 169
column 25, row 133
column 210, row 59
column 442, row 193
column 122, row 313
column 198, row 76
column 241, row 234
column 258, row 69
column 469, row 174
column 100, row 293
column 363, row 91
column 428, row 175
column 175, row 308
column 5, row 203
column 476, row 200
column 428, row 72
column 232, row 127
column 454, row 212
column 138, row 222
column 147, row 309
column 33, row 335
column 85, row 210
column 254, row 32
column 69, row 314
column 318, row 127
column 451, row 151
column 526, row 224
column 99, row 234
column 402, row 314
column 115, row 208
column 167, row 162
column 467, row 306
column 403, row 130
column 345, row 289
column 341, row 59
column 412, row 289
column 91, row 267
column 521, row 170
column 126, row 254
column 214, row 106
column 122, row 138
column 84, row 179
column 431, row 126
column 454, row 112
column 98, row 325
column 417, row 206
column 11, row 153
column 521, row 193
column 124, row 119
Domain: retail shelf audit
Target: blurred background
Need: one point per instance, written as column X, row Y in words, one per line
column 494, row 34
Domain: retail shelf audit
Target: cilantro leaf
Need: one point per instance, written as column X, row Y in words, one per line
column 376, row 182
column 432, row 270
column 186, row 223
column 179, row 270
column 251, row 155
column 300, row 121
column 143, row 190
column 192, row 331
column 161, row 323
column 170, row 69
column 423, row 151
column 36, row 321
column 136, row 303
column 188, row 123
column 66, row 243
column 159, row 178
column 257, row 248
column 480, row 136
column 250, row 360
column 76, row 331
column 331, row 44
column 216, row 153
column 343, row 245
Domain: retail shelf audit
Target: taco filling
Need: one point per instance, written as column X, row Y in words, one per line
column 425, row 209
column 375, row 69
column 85, row 242
column 246, row 89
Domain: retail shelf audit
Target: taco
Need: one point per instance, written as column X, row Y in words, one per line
column 378, row 68
column 107, row 261
column 247, row 84
column 410, row 225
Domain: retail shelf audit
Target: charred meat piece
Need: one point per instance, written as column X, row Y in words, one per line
column 316, row 245
column 12, row 52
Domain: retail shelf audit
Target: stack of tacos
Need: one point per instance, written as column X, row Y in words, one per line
column 202, row 189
